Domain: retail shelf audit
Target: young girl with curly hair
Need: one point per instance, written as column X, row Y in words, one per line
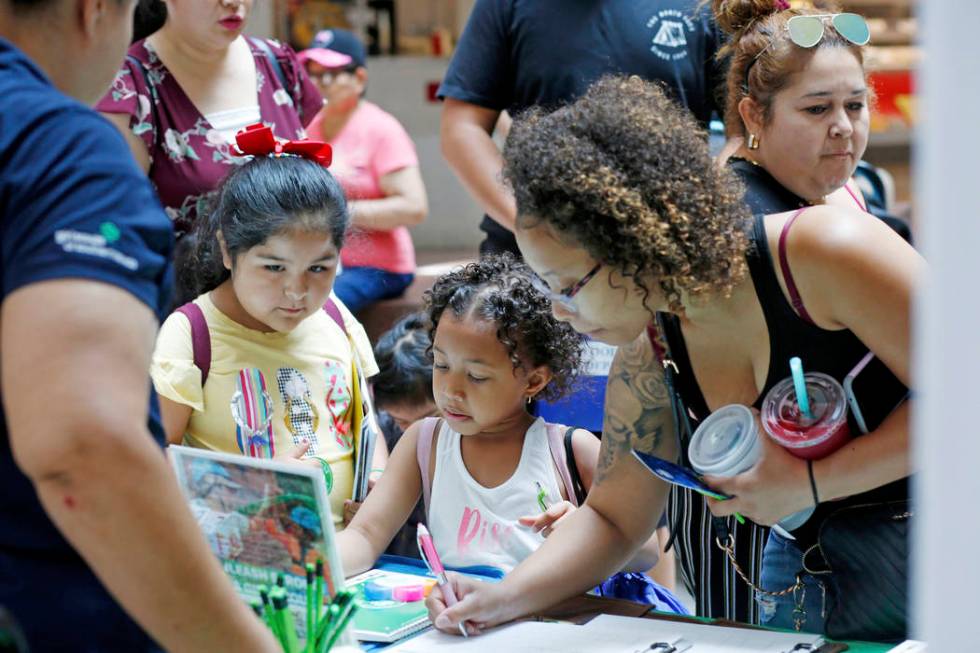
column 495, row 346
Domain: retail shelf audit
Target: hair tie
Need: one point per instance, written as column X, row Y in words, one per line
column 782, row 5
column 258, row 140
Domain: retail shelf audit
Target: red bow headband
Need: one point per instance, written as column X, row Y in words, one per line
column 258, row 140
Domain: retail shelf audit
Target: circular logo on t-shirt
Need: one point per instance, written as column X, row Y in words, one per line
column 671, row 28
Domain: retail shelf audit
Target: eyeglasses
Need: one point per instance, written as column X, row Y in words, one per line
column 327, row 78
column 566, row 296
column 807, row 31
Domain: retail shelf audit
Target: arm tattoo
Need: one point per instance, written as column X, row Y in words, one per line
column 637, row 406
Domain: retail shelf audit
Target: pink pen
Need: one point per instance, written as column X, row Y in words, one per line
column 428, row 550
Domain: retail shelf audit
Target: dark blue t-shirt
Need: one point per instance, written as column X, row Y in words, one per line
column 516, row 54
column 73, row 204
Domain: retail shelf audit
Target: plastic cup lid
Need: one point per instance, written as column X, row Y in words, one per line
column 724, row 439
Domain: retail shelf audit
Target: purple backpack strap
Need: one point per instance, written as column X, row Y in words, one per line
column 200, row 338
column 556, row 443
column 794, row 293
column 333, row 311
column 423, row 451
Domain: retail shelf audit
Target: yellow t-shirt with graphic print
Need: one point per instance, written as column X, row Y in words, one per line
column 266, row 392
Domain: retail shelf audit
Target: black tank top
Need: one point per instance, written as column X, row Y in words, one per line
column 832, row 352
column 765, row 195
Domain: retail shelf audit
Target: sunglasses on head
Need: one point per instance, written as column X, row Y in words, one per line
column 807, row 31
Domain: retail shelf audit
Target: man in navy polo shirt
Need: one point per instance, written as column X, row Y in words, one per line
column 90, row 513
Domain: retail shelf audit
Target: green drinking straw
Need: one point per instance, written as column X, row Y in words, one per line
column 799, row 382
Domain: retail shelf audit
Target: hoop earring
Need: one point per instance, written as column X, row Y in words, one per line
column 753, row 142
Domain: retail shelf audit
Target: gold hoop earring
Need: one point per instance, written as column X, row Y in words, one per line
column 753, row 142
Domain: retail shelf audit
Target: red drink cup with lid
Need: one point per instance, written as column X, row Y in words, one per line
column 809, row 437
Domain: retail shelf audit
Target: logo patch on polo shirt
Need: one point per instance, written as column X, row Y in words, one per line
column 98, row 245
column 670, row 29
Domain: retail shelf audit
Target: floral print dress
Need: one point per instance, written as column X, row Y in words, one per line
column 188, row 156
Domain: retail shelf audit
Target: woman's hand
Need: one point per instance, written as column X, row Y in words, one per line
column 777, row 486
column 479, row 606
column 547, row 521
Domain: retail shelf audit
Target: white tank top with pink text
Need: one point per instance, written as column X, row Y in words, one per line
column 476, row 525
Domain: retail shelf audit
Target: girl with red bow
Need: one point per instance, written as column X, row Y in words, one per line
column 265, row 362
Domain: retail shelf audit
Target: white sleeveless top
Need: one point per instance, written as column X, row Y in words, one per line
column 476, row 525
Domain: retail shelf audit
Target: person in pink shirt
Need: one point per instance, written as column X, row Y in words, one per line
column 375, row 161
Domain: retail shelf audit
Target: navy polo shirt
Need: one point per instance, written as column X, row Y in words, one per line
column 73, row 204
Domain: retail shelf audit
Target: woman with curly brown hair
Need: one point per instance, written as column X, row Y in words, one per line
column 797, row 110
column 623, row 210
column 485, row 465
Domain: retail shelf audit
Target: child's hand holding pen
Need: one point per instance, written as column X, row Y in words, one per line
column 548, row 520
column 550, row 514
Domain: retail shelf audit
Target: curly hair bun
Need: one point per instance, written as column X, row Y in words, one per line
column 734, row 16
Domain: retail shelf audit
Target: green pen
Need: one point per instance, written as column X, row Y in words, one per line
column 542, row 497
column 286, row 625
column 270, row 616
column 318, row 593
column 341, row 603
column 329, row 616
column 339, row 626
column 310, row 621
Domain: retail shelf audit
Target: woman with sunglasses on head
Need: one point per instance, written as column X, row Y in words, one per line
column 797, row 105
column 620, row 206
column 183, row 93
